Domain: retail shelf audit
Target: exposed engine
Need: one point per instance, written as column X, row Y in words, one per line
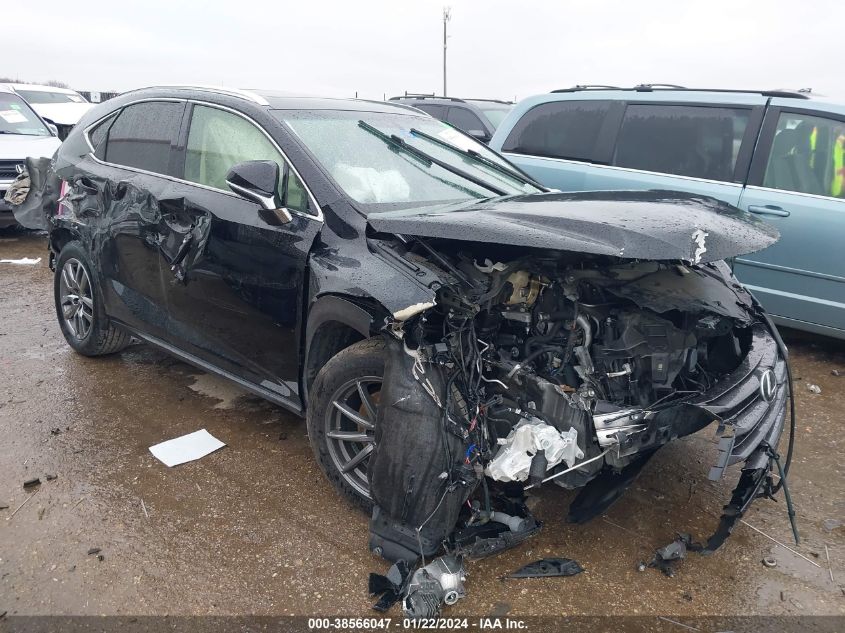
column 546, row 367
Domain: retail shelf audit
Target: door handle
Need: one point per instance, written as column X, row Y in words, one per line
column 768, row 209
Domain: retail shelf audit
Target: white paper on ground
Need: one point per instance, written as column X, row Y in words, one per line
column 24, row 261
column 186, row 448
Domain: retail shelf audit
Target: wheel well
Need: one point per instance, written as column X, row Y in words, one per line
column 330, row 338
column 59, row 239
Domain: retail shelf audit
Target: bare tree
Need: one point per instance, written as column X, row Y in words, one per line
column 57, row 84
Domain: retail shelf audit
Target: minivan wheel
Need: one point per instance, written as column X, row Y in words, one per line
column 342, row 417
column 79, row 306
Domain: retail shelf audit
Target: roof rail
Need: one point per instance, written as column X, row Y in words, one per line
column 588, row 87
column 503, row 101
column 411, row 95
column 803, row 93
column 231, row 92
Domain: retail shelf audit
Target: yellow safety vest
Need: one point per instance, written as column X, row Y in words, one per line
column 837, row 187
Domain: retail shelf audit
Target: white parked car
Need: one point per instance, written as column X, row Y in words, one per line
column 22, row 134
column 60, row 106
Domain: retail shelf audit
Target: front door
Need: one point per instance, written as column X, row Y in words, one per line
column 797, row 184
column 235, row 281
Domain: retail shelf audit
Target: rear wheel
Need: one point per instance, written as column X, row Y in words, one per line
column 342, row 417
column 79, row 306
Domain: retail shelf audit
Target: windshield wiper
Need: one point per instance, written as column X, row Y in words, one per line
column 515, row 173
column 394, row 141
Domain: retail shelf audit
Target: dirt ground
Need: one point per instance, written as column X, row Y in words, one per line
column 256, row 529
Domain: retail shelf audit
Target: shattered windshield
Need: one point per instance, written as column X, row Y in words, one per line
column 16, row 117
column 385, row 160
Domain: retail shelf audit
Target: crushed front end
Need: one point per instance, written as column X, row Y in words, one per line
column 538, row 366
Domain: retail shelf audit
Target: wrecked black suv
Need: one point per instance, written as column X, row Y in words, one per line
column 454, row 332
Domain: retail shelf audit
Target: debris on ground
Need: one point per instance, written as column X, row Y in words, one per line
column 438, row 583
column 4, row 505
column 31, row 483
column 50, row 477
column 836, row 372
column 186, row 448
column 666, row 557
column 391, row 587
column 769, row 562
column 813, row 388
column 94, row 550
column 548, row 568
column 24, row 261
column 55, row 431
column 831, row 524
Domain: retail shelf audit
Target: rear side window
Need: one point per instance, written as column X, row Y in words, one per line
column 560, row 129
column 465, row 120
column 99, row 133
column 142, row 136
column 696, row 141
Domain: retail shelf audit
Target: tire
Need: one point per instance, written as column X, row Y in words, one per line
column 338, row 382
column 79, row 306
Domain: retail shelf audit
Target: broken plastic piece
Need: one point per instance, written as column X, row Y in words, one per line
column 668, row 555
column 31, row 483
column 391, row 587
column 513, row 460
column 548, row 568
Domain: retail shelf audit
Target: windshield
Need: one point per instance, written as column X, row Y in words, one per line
column 16, row 117
column 494, row 113
column 42, row 96
column 384, row 160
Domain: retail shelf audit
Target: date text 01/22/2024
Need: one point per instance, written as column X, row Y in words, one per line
column 448, row 624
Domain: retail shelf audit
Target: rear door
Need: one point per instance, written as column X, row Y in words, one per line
column 235, row 284
column 797, row 184
column 126, row 189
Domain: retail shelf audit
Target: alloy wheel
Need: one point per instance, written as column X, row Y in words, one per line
column 350, row 429
column 77, row 298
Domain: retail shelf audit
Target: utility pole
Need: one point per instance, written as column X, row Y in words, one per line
column 446, row 16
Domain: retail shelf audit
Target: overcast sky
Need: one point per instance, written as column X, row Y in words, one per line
column 497, row 49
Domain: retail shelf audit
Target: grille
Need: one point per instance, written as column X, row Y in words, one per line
column 8, row 169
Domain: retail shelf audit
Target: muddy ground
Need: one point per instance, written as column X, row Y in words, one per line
column 256, row 529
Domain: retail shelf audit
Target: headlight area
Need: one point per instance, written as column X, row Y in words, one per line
column 567, row 369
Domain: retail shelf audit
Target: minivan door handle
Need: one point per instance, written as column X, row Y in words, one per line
column 768, row 209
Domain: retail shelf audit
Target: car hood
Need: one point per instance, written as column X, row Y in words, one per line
column 20, row 146
column 654, row 225
column 62, row 113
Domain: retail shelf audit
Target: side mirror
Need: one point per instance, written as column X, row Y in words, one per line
column 479, row 135
column 258, row 181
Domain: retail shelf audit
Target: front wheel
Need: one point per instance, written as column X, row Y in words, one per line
column 79, row 306
column 342, row 417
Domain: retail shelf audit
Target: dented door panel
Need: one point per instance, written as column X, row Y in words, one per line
column 234, row 285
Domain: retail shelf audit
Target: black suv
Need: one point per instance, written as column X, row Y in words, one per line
column 453, row 332
column 477, row 117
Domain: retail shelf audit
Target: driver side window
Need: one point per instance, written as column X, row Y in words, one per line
column 219, row 139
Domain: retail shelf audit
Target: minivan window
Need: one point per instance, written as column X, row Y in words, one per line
column 437, row 111
column 142, row 135
column 218, row 140
column 696, row 141
column 98, row 134
column 464, row 120
column 559, row 129
column 807, row 156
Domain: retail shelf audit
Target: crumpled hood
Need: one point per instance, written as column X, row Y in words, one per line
column 653, row 225
column 62, row 113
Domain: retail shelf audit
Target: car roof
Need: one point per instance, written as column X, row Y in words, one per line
column 41, row 88
column 277, row 100
column 445, row 100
